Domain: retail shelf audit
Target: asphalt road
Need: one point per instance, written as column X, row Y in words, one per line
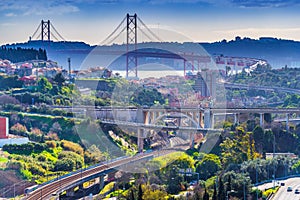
column 283, row 194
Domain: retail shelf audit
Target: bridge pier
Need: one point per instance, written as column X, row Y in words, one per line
column 140, row 141
column 236, row 118
column 101, row 182
column 287, row 122
column 70, row 192
column 261, row 119
column 192, row 140
column 208, row 119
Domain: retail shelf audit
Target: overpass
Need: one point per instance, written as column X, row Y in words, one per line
column 257, row 87
column 201, row 116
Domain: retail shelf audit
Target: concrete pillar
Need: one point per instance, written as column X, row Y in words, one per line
column 192, row 138
column 140, row 141
column 236, row 118
column 212, row 120
column 287, row 122
column 140, row 118
column 154, row 116
column 261, row 119
column 200, row 118
column 70, row 192
column 207, row 118
column 147, row 117
column 101, row 182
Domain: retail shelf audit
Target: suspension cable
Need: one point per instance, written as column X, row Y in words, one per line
column 110, row 35
column 153, row 34
column 36, row 31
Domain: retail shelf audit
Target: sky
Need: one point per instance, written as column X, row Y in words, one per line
column 91, row 21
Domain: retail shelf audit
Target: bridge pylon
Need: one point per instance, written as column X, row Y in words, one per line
column 45, row 30
column 131, row 58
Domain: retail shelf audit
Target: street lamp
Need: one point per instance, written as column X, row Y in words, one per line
column 228, row 192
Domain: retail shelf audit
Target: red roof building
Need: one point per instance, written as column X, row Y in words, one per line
column 3, row 127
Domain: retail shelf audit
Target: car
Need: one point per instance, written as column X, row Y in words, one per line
column 282, row 184
column 297, row 191
column 289, row 189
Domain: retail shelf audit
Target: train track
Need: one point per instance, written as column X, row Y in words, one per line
column 52, row 188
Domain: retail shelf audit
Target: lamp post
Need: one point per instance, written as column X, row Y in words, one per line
column 256, row 175
column 257, row 180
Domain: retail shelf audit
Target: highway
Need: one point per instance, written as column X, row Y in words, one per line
column 283, row 194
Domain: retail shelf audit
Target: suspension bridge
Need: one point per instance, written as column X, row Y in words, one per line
column 136, row 32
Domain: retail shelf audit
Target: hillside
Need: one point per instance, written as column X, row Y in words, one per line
column 278, row 52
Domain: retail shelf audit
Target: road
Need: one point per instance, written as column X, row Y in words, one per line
column 283, row 194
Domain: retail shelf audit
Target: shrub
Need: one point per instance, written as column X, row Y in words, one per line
column 51, row 144
column 36, row 169
column 71, row 146
column 65, row 164
column 15, row 165
column 19, row 129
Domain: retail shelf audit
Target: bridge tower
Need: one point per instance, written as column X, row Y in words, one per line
column 131, row 58
column 45, row 30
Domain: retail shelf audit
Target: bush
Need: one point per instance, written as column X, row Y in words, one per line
column 65, row 164
column 71, row 146
column 19, row 129
column 74, row 156
column 51, row 144
column 15, row 165
column 36, row 170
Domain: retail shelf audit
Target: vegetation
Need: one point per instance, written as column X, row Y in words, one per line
column 280, row 78
column 20, row 55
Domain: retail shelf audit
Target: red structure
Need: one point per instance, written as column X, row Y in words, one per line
column 3, row 127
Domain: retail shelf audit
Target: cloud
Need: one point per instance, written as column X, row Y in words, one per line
column 265, row 3
column 235, row 3
column 11, row 14
column 32, row 7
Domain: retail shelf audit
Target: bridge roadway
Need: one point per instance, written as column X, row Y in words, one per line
column 143, row 52
column 45, row 191
column 256, row 87
column 161, row 127
column 212, row 110
column 186, row 109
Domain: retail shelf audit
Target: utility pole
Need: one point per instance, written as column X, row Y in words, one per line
column 69, row 64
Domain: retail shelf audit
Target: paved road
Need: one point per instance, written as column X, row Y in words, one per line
column 283, row 194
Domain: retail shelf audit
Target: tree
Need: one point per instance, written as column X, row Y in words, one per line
column 205, row 195
column 208, row 166
column 140, row 192
column 214, row 197
column 65, row 164
column 221, row 190
column 258, row 135
column 238, row 181
column 150, row 193
column 59, row 79
column 44, row 85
